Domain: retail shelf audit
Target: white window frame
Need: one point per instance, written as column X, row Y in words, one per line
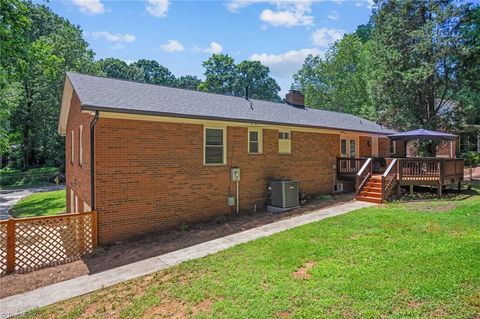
column 72, row 201
column 259, row 141
column 284, row 142
column 394, row 143
column 72, row 147
column 80, row 147
column 224, row 135
column 349, row 138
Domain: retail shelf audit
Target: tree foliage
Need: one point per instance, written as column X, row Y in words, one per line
column 223, row 76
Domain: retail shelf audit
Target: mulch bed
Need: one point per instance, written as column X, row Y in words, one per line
column 154, row 244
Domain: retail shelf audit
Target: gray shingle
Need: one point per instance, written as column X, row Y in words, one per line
column 98, row 93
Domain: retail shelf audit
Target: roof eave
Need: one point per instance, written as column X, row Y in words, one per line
column 90, row 107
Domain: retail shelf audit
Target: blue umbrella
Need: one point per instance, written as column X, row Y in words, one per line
column 422, row 134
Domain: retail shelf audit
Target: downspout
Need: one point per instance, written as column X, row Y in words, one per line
column 92, row 160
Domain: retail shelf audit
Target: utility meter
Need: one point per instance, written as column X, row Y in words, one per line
column 235, row 174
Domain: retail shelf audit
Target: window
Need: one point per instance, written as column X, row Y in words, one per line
column 352, row 148
column 343, row 148
column 80, row 147
column 284, row 142
column 393, row 147
column 214, row 146
column 72, row 147
column 255, row 141
column 72, row 201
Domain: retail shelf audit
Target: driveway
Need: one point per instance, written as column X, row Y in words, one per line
column 9, row 197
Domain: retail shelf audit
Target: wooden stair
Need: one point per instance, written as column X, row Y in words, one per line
column 372, row 190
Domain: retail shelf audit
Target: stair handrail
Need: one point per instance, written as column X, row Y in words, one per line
column 389, row 179
column 363, row 174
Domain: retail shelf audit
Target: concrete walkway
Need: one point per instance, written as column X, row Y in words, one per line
column 48, row 295
column 8, row 197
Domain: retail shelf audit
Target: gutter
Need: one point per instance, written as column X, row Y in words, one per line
column 92, row 160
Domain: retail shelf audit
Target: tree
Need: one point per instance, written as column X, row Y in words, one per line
column 46, row 47
column 220, row 74
column 256, row 76
column 154, row 72
column 188, row 82
column 224, row 76
column 119, row 69
column 337, row 83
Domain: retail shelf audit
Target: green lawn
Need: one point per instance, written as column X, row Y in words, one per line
column 402, row 260
column 40, row 204
column 41, row 176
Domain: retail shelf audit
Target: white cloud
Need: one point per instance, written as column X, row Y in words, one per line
column 172, row 46
column 157, row 8
column 285, row 64
column 324, row 37
column 113, row 37
column 333, row 15
column 213, row 48
column 286, row 18
column 90, row 6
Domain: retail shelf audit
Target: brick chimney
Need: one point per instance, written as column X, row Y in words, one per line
column 295, row 98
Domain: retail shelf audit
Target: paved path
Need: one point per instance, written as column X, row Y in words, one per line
column 48, row 295
column 8, row 198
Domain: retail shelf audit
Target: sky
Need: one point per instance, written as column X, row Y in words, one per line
column 182, row 34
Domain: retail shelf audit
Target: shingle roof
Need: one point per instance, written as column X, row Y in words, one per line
column 106, row 94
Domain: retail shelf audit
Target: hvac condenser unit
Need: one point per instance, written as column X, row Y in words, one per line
column 284, row 193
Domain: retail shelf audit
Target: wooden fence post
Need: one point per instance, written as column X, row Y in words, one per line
column 94, row 230
column 10, row 246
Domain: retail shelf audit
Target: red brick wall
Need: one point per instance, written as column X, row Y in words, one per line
column 365, row 146
column 78, row 177
column 383, row 147
column 150, row 175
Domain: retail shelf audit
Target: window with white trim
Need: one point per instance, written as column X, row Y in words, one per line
column 214, row 146
column 80, row 147
column 284, row 142
column 393, row 147
column 255, row 141
column 72, row 147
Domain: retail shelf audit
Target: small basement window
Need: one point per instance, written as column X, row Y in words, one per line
column 284, row 142
column 214, row 146
column 254, row 141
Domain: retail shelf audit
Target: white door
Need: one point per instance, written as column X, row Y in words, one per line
column 348, row 147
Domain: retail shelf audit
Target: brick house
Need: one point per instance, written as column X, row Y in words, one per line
column 162, row 156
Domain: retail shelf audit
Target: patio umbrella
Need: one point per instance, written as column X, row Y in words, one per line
column 422, row 134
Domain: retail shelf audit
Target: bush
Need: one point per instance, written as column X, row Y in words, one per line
column 471, row 158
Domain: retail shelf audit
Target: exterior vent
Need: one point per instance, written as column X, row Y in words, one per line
column 338, row 188
column 284, row 193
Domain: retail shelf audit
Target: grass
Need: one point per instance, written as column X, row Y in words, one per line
column 40, row 204
column 393, row 261
column 35, row 177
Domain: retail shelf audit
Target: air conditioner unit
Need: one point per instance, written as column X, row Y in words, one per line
column 284, row 193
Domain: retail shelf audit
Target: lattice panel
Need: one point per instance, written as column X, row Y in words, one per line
column 49, row 241
column 3, row 247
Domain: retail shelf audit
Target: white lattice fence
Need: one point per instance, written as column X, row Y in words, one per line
column 33, row 243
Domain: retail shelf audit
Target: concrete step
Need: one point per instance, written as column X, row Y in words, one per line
column 369, row 199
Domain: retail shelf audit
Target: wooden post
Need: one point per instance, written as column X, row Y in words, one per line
column 10, row 246
column 459, row 186
column 411, row 189
column 94, row 230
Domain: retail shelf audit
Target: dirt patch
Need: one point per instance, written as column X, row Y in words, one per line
column 283, row 314
column 151, row 245
column 302, row 272
column 429, row 207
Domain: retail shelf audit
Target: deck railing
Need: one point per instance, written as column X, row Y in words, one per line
column 348, row 167
column 363, row 175
column 430, row 169
column 389, row 179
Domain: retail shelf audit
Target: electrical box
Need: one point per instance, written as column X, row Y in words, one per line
column 235, row 174
column 231, row 201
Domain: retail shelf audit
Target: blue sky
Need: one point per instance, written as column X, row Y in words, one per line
column 182, row 34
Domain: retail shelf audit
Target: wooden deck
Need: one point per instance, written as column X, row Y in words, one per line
column 436, row 172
